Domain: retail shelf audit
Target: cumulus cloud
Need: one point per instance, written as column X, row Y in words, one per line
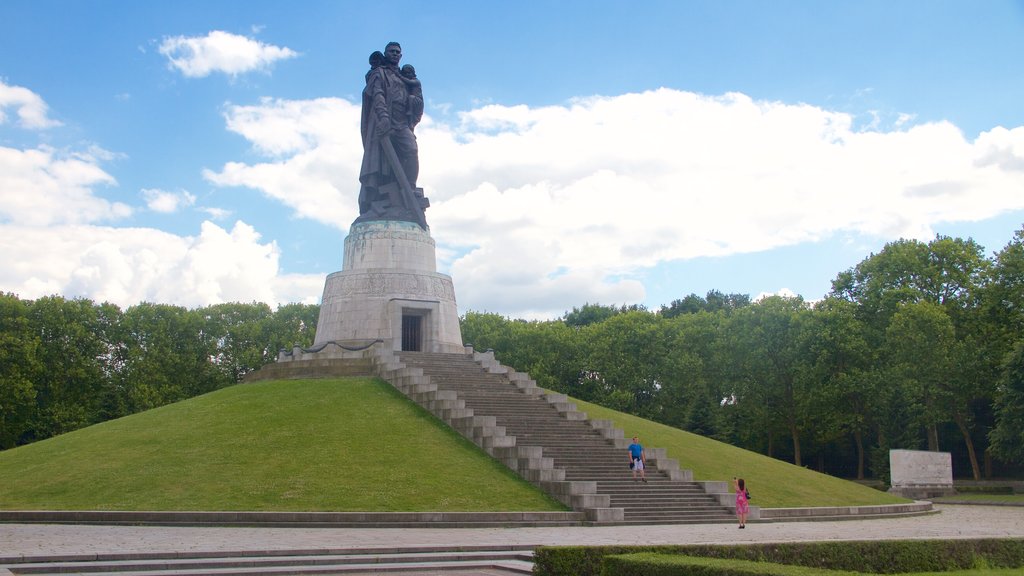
column 44, row 186
column 126, row 266
column 30, row 109
column 167, row 202
column 313, row 149
column 219, row 51
column 538, row 209
column 534, row 210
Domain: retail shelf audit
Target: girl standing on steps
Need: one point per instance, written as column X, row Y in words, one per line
column 742, row 506
column 637, row 459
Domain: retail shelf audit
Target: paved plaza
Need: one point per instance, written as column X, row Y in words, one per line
column 49, row 540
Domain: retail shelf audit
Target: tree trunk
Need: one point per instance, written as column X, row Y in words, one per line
column 859, row 439
column 933, row 437
column 796, row 445
column 962, row 424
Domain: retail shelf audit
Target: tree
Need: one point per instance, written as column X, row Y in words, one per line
column 776, row 384
column 844, row 364
column 713, row 302
column 19, row 366
column 1005, row 314
column 241, row 340
column 1008, row 435
column 589, row 314
column 167, row 357
column 919, row 343
column 291, row 325
column 951, row 274
column 630, row 354
column 74, row 344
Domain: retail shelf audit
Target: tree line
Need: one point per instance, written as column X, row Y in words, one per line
column 918, row 346
column 66, row 364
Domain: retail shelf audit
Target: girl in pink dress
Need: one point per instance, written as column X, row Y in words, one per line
column 742, row 506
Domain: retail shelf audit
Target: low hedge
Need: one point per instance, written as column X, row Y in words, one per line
column 879, row 557
column 651, row 564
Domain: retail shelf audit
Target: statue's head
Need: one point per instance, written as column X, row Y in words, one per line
column 376, row 59
column 393, row 53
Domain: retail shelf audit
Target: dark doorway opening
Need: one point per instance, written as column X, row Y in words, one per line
column 412, row 333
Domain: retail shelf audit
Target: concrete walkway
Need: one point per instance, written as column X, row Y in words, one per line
column 51, row 540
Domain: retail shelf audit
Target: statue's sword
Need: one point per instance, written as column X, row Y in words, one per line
column 408, row 194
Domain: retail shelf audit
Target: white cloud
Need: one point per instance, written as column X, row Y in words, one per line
column 534, row 210
column 314, row 167
column 31, row 110
column 130, row 265
column 219, row 51
column 538, row 209
column 167, row 202
column 216, row 213
column 43, row 187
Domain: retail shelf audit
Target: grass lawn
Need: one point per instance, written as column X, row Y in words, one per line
column 352, row 444
column 772, row 483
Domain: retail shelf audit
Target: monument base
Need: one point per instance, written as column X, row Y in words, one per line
column 389, row 290
column 921, row 475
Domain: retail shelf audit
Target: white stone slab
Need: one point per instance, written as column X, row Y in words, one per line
column 910, row 468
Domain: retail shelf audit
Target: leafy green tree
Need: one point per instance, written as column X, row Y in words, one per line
column 1004, row 307
column 167, row 356
column 589, row 314
column 486, row 331
column 713, row 302
column 242, row 344
column 776, row 386
column 919, row 342
column 19, row 366
column 1008, row 435
column 949, row 273
column 73, row 347
column 845, row 366
column 701, row 339
column 290, row 325
column 631, row 355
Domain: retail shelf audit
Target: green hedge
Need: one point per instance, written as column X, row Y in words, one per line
column 880, row 557
column 651, row 564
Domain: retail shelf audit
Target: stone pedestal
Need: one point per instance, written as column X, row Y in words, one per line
column 389, row 289
column 919, row 475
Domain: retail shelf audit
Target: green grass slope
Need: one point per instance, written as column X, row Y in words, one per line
column 308, row 445
column 772, row 483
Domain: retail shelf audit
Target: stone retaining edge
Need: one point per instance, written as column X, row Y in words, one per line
column 844, row 512
column 305, row 519
column 260, row 553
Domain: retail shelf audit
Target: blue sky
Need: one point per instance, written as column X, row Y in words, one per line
column 575, row 151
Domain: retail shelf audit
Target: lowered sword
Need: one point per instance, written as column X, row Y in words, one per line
column 408, row 194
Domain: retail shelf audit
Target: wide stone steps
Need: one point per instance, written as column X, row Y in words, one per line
column 460, row 560
column 571, row 445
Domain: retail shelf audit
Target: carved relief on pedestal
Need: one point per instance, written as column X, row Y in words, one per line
column 380, row 284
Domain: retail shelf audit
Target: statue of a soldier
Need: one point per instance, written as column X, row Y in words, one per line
column 392, row 107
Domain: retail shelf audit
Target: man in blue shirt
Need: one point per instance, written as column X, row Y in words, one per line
column 637, row 460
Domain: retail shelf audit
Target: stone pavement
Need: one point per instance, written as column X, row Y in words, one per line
column 951, row 521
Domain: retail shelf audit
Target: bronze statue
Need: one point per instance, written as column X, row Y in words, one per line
column 392, row 107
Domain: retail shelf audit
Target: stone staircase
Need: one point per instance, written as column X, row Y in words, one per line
column 543, row 437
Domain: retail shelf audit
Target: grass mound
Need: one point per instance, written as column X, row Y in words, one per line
column 772, row 483
column 353, row 444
